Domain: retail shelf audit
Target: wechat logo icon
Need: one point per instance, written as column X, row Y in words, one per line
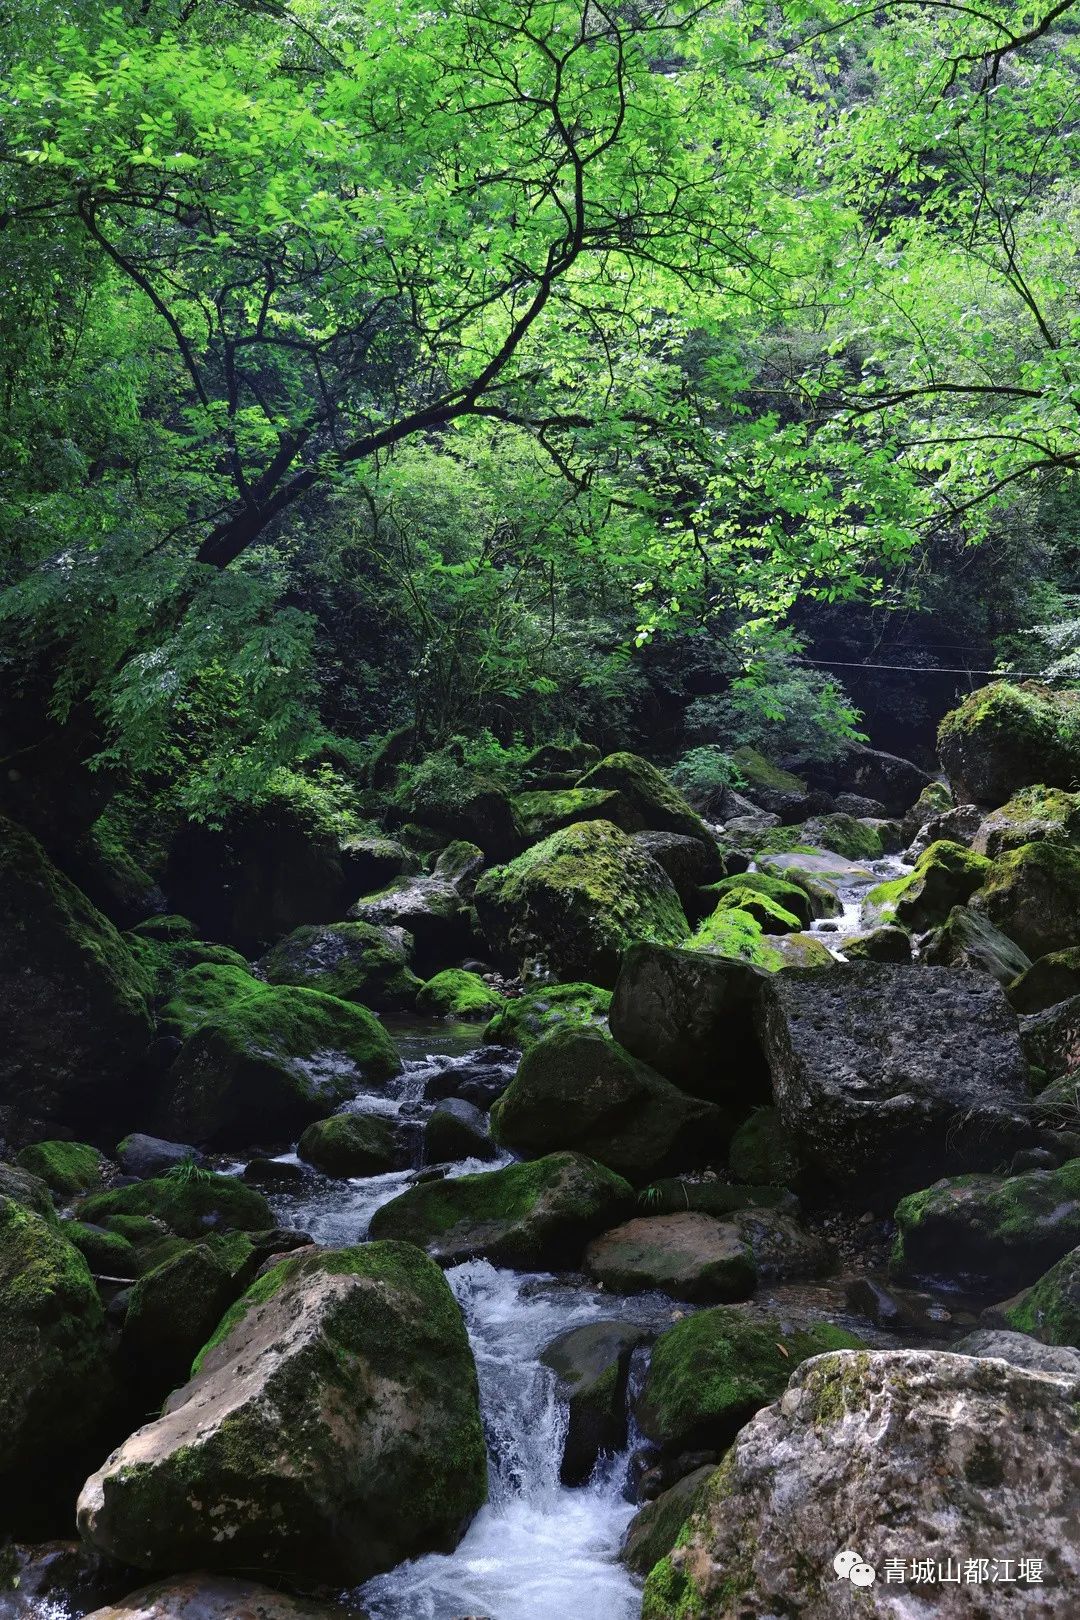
column 852, row 1566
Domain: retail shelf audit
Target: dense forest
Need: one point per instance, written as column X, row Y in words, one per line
column 539, row 809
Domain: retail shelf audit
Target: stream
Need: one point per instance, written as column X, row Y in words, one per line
column 538, row 1550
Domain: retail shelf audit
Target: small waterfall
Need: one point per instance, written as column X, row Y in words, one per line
column 538, row 1550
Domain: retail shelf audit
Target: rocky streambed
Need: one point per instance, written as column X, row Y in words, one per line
column 723, row 1217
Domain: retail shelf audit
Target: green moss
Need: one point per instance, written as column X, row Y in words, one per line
column 710, row 1372
column 1004, row 1228
column 649, row 803
column 546, row 812
column 352, row 1145
column 945, row 875
column 188, row 1207
column 526, row 1019
column 734, row 933
column 456, row 993
column 67, row 1167
column 761, row 1151
column 835, row 1387
column 670, row 1595
column 844, row 835
column 515, row 1215
column 1050, row 1310
column 106, row 1253
column 1054, row 977
column 53, row 1369
column 1033, row 895
column 772, row 916
column 1008, row 735
column 576, row 901
column 204, row 991
column 282, row 1056
column 792, row 897
column 355, row 961
column 758, row 772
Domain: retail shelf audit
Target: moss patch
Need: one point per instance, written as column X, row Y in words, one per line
column 188, row 1205
column 456, row 993
column 68, row 1168
column 528, row 1018
column 711, row 1372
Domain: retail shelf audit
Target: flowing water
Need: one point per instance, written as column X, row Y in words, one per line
column 539, row 1550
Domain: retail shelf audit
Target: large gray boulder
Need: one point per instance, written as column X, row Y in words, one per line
column 897, row 1455
column 330, row 1430
column 690, row 1016
column 888, row 1075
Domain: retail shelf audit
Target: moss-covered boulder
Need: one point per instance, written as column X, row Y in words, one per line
column 771, row 915
column 592, row 1366
column 171, row 1313
column 654, row 1529
column 945, row 875
column 557, row 765
column 108, row 1254
column 371, row 860
column 431, row 907
column 1033, row 895
column 790, row 897
column 354, row 961
column 736, row 936
column 712, row 1371
column 331, row 1430
column 847, row 836
column 206, row 989
column 188, row 1204
column 457, row 993
column 528, row 1215
column 780, row 792
column 992, row 1232
column 648, row 802
column 802, row 950
column 690, row 1017
column 23, row 1188
column 574, row 903
column 968, row 939
column 354, row 1144
column 862, row 1448
column 276, row 1059
column 1007, row 736
column 456, row 1130
column 1054, row 978
column 544, row 812
column 54, row 1365
column 578, row 1091
column 934, row 800
column 69, row 1168
column 761, row 1151
column 1050, row 1310
column 479, row 812
column 528, row 1018
column 1035, row 813
column 72, row 996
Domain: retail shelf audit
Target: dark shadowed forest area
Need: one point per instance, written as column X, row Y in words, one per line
column 539, row 810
